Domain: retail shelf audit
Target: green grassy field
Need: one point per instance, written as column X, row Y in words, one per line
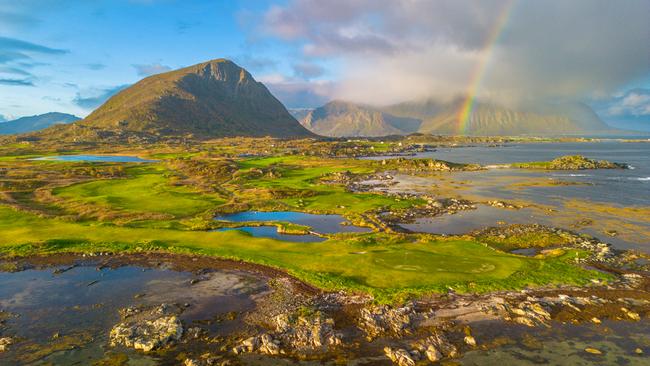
column 302, row 174
column 387, row 266
column 390, row 266
column 147, row 190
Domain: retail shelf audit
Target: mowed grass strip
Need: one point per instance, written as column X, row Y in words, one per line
column 389, row 266
column 147, row 190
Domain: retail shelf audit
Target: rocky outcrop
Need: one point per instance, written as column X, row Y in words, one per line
column 294, row 334
column 571, row 162
column 399, row 356
column 385, row 320
column 599, row 251
column 433, row 348
column 423, row 165
column 5, row 342
column 147, row 330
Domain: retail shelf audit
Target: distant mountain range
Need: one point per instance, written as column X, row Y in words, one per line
column 35, row 123
column 211, row 99
column 348, row 119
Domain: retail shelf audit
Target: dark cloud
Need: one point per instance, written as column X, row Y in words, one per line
column 393, row 50
column 150, row 69
column 307, row 70
column 97, row 97
column 16, row 82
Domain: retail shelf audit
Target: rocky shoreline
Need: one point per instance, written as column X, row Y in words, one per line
column 293, row 321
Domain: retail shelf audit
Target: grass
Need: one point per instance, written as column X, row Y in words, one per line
column 302, row 174
column 147, row 190
column 390, row 267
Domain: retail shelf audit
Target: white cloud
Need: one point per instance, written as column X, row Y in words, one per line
column 635, row 103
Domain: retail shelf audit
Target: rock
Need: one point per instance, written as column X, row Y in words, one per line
column 631, row 314
column 400, row 357
column 5, row 342
column 436, row 346
column 268, row 345
column 305, row 334
column 523, row 321
column 383, row 319
column 470, row 341
column 148, row 330
column 593, row 351
column 433, row 354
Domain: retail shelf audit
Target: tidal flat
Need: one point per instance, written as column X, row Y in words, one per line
column 503, row 248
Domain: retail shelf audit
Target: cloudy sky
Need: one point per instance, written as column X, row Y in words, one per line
column 70, row 55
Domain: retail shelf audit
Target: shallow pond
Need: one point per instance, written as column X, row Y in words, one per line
column 323, row 224
column 65, row 318
column 469, row 220
column 272, row 232
column 96, row 158
column 618, row 342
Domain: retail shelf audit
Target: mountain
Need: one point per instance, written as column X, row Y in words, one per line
column 493, row 119
column 212, row 99
column 35, row 123
column 433, row 117
column 345, row 119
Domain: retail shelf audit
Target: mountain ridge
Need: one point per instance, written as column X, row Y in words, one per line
column 216, row 98
column 35, row 122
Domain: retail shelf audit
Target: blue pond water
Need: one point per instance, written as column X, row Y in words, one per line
column 97, row 158
column 324, row 224
column 272, row 232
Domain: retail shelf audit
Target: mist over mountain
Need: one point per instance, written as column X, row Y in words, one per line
column 433, row 117
column 35, row 123
column 339, row 119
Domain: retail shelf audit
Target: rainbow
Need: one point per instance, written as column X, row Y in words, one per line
column 467, row 107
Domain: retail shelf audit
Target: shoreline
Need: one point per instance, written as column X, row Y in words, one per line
column 384, row 331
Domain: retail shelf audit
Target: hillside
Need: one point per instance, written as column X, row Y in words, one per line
column 340, row 119
column 211, row 99
column 35, row 123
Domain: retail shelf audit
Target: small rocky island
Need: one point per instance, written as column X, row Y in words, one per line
column 571, row 162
